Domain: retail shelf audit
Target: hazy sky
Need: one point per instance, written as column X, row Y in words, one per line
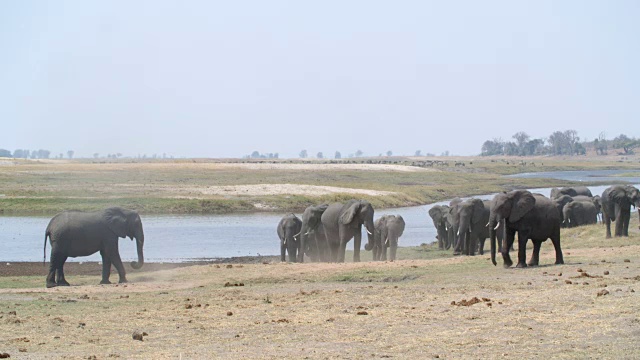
column 225, row 78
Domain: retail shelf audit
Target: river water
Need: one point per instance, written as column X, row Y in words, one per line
column 177, row 238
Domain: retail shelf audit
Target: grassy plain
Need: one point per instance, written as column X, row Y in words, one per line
column 210, row 186
column 361, row 310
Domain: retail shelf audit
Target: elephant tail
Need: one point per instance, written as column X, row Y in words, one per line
column 47, row 234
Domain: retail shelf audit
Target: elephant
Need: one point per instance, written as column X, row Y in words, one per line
column 312, row 238
column 597, row 201
column 571, row 191
column 438, row 214
column 616, row 206
column 454, row 219
column 342, row 222
column 559, row 203
column 532, row 217
column 76, row 233
column 388, row 230
column 289, row 232
column 577, row 213
column 472, row 230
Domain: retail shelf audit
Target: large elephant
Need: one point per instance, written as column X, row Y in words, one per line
column 578, row 213
column 289, row 232
column 616, row 206
column 75, row 233
column 472, row 230
column 532, row 217
column 388, row 230
column 571, row 191
column 312, row 238
column 438, row 214
column 342, row 222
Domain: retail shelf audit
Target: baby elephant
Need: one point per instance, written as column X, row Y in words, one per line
column 388, row 230
column 289, row 233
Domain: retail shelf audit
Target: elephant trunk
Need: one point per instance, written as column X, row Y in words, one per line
column 303, row 242
column 492, row 234
column 139, row 244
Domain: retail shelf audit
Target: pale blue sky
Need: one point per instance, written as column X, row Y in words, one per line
column 224, row 78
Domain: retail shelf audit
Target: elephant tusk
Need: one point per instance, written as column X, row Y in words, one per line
column 386, row 242
column 368, row 232
column 497, row 226
column 298, row 234
column 308, row 232
column 487, row 225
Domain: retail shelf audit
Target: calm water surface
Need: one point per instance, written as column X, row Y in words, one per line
column 175, row 238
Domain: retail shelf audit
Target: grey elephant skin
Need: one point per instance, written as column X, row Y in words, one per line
column 616, row 206
column 571, row 191
column 578, row 213
column 532, row 217
column 438, row 214
column 388, row 230
column 313, row 241
column 342, row 222
column 472, row 229
column 75, row 233
column 288, row 232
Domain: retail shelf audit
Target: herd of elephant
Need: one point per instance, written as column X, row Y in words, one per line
column 324, row 230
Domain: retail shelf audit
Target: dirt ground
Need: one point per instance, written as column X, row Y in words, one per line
column 453, row 308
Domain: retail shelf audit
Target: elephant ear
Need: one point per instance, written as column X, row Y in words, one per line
column 522, row 204
column 400, row 220
column 434, row 211
column 618, row 194
column 116, row 221
column 478, row 209
column 348, row 215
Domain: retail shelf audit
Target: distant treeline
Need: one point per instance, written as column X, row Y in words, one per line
column 559, row 143
column 32, row 154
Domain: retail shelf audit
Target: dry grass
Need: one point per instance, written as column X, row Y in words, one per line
column 208, row 186
column 353, row 311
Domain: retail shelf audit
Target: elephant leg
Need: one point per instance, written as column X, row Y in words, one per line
column 383, row 255
column 117, row 262
column 607, row 222
column 522, row 250
column 53, row 265
column 535, row 256
column 481, row 246
column 626, row 216
column 507, row 244
column 555, row 239
column 357, row 243
column 106, row 268
column 619, row 221
column 60, row 280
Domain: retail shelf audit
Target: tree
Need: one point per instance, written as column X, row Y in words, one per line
column 338, row 155
column 255, row 154
column 5, row 153
column 418, row 153
column 521, row 140
column 625, row 143
column 303, row 154
column 96, row 155
column 70, row 154
column 276, row 155
column 319, row 155
column 389, row 153
column 445, row 153
column 43, row 154
column 359, row 153
column 492, row 147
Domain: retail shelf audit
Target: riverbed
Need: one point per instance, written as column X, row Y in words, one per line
column 178, row 238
